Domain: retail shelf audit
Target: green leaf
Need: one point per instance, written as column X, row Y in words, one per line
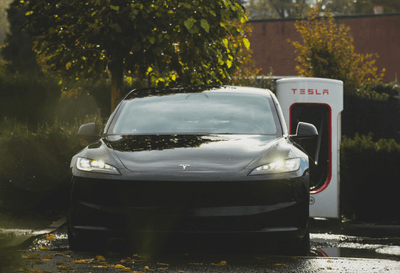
column 205, row 25
column 246, row 43
column 116, row 8
column 225, row 42
column 243, row 19
column 152, row 40
column 189, row 23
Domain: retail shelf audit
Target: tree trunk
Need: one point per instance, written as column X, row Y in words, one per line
column 117, row 73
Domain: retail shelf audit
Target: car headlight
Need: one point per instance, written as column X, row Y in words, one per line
column 278, row 166
column 92, row 165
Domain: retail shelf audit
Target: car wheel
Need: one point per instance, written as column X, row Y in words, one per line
column 76, row 242
column 303, row 247
column 83, row 243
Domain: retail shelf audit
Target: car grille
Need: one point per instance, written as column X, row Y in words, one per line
column 111, row 193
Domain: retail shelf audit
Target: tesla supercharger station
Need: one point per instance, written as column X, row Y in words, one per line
column 320, row 102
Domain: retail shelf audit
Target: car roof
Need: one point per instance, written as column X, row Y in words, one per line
column 162, row 91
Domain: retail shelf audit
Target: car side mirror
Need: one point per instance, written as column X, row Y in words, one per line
column 88, row 132
column 305, row 130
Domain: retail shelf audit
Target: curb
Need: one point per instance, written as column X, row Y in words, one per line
column 28, row 238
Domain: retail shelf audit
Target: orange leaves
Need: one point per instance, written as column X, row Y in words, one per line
column 31, row 256
column 100, row 258
column 83, row 261
column 50, row 237
column 222, row 263
column 43, row 248
column 123, row 268
column 327, row 51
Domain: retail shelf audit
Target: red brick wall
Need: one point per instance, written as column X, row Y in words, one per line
column 372, row 34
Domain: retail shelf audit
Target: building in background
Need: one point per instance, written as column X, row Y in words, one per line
column 378, row 34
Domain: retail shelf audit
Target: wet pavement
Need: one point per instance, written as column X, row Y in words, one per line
column 329, row 253
column 321, row 245
column 65, row 261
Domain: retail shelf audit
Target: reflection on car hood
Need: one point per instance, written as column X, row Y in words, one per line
column 163, row 153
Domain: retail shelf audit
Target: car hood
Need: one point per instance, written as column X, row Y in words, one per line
column 206, row 153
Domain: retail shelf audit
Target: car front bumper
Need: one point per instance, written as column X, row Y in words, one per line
column 239, row 207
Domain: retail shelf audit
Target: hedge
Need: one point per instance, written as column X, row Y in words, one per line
column 34, row 165
column 369, row 179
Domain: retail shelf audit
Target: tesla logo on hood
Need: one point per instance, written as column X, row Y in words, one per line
column 184, row 166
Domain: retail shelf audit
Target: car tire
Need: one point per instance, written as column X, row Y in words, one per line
column 83, row 242
column 303, row 247
column 75, row 242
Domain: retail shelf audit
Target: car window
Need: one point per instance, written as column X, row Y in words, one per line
column 207, row 112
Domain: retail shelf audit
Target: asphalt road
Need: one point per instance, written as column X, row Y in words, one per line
column 329, row 253
column 65, row 261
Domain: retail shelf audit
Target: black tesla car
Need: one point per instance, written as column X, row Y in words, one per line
column 192, row 160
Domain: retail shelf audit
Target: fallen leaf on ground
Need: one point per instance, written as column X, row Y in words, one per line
column 102, row 266
column 43, row 248
column 222, row 263
column 47, row 257
column 147, row 268
column 32, row 256
column 196, row 263
column 123, row 268
column 50, row 237
column 100, row 258
column 37, row 261
column 79, row 262
column 62, row 267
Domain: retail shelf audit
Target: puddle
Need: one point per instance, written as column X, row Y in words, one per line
column 328, row 245
column 14, row 232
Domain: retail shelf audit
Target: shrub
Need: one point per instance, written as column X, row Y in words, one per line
column 27, row 98
column 378, row 91
column 327, row 51
column 34, row 165
column 365, row 115
column 369, row 179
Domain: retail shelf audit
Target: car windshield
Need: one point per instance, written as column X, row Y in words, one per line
column 197, row 113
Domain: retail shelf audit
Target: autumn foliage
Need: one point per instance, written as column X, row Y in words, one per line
column 327, row 51
column 245, row 67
